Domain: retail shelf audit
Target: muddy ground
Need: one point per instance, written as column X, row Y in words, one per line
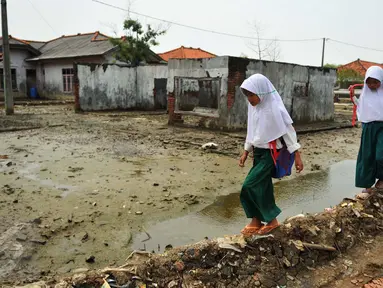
column 82, row 185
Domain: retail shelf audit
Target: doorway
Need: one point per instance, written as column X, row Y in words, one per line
column 31, row 82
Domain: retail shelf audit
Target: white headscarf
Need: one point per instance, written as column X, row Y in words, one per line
column 370, row 104
column 269, row 120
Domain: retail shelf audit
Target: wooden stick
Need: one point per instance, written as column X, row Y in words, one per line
column 318, row 247
column 107, row 270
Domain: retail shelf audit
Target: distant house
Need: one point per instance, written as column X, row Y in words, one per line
column 359, row 66
column 186, row 53
column 48, row 66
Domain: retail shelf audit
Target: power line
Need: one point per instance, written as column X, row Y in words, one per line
column 42, row 17
column 356, row 46
column 202, row 29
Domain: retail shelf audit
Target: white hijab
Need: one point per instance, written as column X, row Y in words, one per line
column 269, row 120
column 370, row 104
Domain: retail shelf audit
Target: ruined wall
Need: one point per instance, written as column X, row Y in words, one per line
column 18, row 62
column 145, row 84
column 114, row 86
column 182, row 69
column 105, row 87
column 307, row 92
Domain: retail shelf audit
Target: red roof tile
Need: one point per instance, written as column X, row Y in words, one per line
column 359, row 66
column 186, row 53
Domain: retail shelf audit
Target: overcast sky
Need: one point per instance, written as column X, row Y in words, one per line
column 283, row 19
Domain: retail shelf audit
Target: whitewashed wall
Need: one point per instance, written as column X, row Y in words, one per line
column 114, row 86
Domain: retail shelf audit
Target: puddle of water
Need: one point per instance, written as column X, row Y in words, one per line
column 29, row 172
column 305, row 194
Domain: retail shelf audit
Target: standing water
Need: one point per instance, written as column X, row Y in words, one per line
column 305, row 194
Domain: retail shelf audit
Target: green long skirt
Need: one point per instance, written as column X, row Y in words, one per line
column 369, row 166
column 257, row 194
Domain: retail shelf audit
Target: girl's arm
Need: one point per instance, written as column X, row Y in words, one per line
column 292, row 144
column 291, row 140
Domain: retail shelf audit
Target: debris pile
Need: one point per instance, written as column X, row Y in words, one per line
column 283, row 259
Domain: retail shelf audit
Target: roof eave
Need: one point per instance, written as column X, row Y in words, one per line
column 60, row 58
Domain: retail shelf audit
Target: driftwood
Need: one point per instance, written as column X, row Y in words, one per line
column 318, row 247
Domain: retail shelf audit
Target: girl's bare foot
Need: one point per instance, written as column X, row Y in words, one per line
column 367, row 192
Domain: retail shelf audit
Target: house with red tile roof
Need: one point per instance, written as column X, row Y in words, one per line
column 359, row 66
column 48, row 66
column 186, row 53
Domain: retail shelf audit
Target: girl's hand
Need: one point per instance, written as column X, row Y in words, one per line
column 298, row 162
column 243, row 159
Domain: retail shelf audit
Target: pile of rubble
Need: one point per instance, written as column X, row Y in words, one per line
column 283, row 259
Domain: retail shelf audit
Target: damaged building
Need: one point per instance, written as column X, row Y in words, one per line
column 209, row 89
column 49, row 66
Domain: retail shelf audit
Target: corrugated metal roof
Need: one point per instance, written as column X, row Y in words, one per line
column 36, row 44
column 79, row 45
column 186, row 53
column 72, row 46
column 15, row 42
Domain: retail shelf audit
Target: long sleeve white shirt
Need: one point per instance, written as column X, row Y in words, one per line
column 290, row 139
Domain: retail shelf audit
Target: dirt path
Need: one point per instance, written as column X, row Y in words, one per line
column 86, row 185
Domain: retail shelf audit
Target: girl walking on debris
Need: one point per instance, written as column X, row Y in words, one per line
column 369, row 166
column 268, row 120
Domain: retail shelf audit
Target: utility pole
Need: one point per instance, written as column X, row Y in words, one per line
column 6, row 61
column 324, row 46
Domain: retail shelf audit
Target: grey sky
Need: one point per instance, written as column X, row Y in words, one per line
column 284, row 19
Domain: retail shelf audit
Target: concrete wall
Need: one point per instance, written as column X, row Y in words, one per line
column 17, row 58
column 307, row 92
column 50, row 78
column 145, row 84
column 53, row 80
column 114, row 86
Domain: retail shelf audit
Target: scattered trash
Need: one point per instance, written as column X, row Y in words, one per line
column 295, row 217
column 85, row 237
column 139, row 213
column 209, row 145
column 3, row 156
column 229, row 246
column 90, row 259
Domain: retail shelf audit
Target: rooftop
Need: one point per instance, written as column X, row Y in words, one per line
column 359, row 66
column 71, row 46
column 186, row 53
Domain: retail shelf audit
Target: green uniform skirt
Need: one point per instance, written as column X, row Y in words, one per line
column 369, row 166
column 257, row 194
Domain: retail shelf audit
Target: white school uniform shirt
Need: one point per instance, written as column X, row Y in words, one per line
column 269, row 120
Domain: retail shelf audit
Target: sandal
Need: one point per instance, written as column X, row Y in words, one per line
column 267, row 229
column 249, row 231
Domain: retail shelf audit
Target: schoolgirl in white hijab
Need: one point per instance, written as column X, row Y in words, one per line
column 369, row 165
column 268, row 120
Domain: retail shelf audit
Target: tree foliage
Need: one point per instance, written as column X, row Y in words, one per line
column 135, row 46
column 349, row 75
column 331, row 66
